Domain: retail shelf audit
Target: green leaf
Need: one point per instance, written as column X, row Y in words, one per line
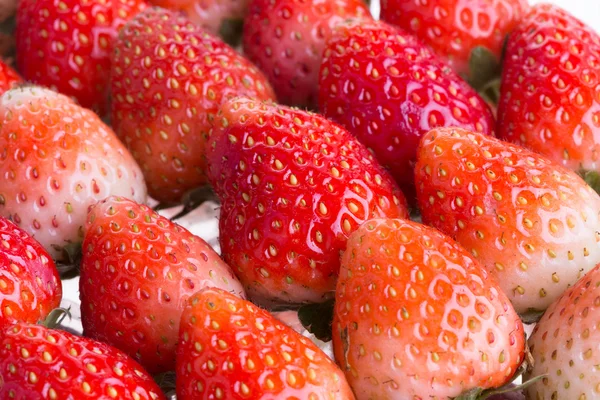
column 231, row 31
column 592, row 178
column 166, row 381
column 71, row 259
column 483, row 67
column 317, row 318
column 531, row 316
column 56, row 317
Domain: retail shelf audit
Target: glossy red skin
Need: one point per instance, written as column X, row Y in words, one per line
column 209, row 14
column 383, row 88
column 137, row 272
column 233, row 349
column 39, row 363
column 165, row 121
column 56, row 160
column 533, row 224
column 30, row 286
column 550, row 96
column 67, row 45
column 286, row 40
column 415, row 310
column 292, row 186
column 9, row 78
column 453, row 28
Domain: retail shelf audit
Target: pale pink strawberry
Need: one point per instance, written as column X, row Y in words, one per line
column 57, row 159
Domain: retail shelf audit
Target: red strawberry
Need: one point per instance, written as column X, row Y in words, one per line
column 29, row 283
column 286, row 40
column 388, row 90
column 41, row 363
column 531, row 223
column 416, row 317
column 66, row 45
column 550, row 99
column 458, row 29
column 216, row 16
column 168, row 83
column 138, row 270
column 293, row 186
column 231, row 349
column 57, row 159
column 565, row 344
column 9, row 78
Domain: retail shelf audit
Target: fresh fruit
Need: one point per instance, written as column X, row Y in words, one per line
column 565, row 344
column 168, row 82
column 216, row 16
column 464, row 33
column 292, row 186
column 286, row 40
column 29, row 283
column 388, row 90
column 550, row 97
column 231, row 349
column 57, row 159
column 66, row 45
column 41, row 363
column 531, row 223
column 137, row 271
column 9, row 78
column 416, row 317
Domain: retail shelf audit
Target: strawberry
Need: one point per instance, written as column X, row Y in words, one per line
column 388, row 90
column 531, row 223
column 216, row 16
column 550, row 97
column 137, row 271
column 41, row 363
column 292, row 186
column 66, row 45
column 565, row 344
column 9, row 78
column 29, row 283
column 231, row 349
column 416, row 317
column 286, row 40
column 168, row 82
column 57, row 159
column 458, row 30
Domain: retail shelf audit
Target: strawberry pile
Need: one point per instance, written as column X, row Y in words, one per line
column 436, row 192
